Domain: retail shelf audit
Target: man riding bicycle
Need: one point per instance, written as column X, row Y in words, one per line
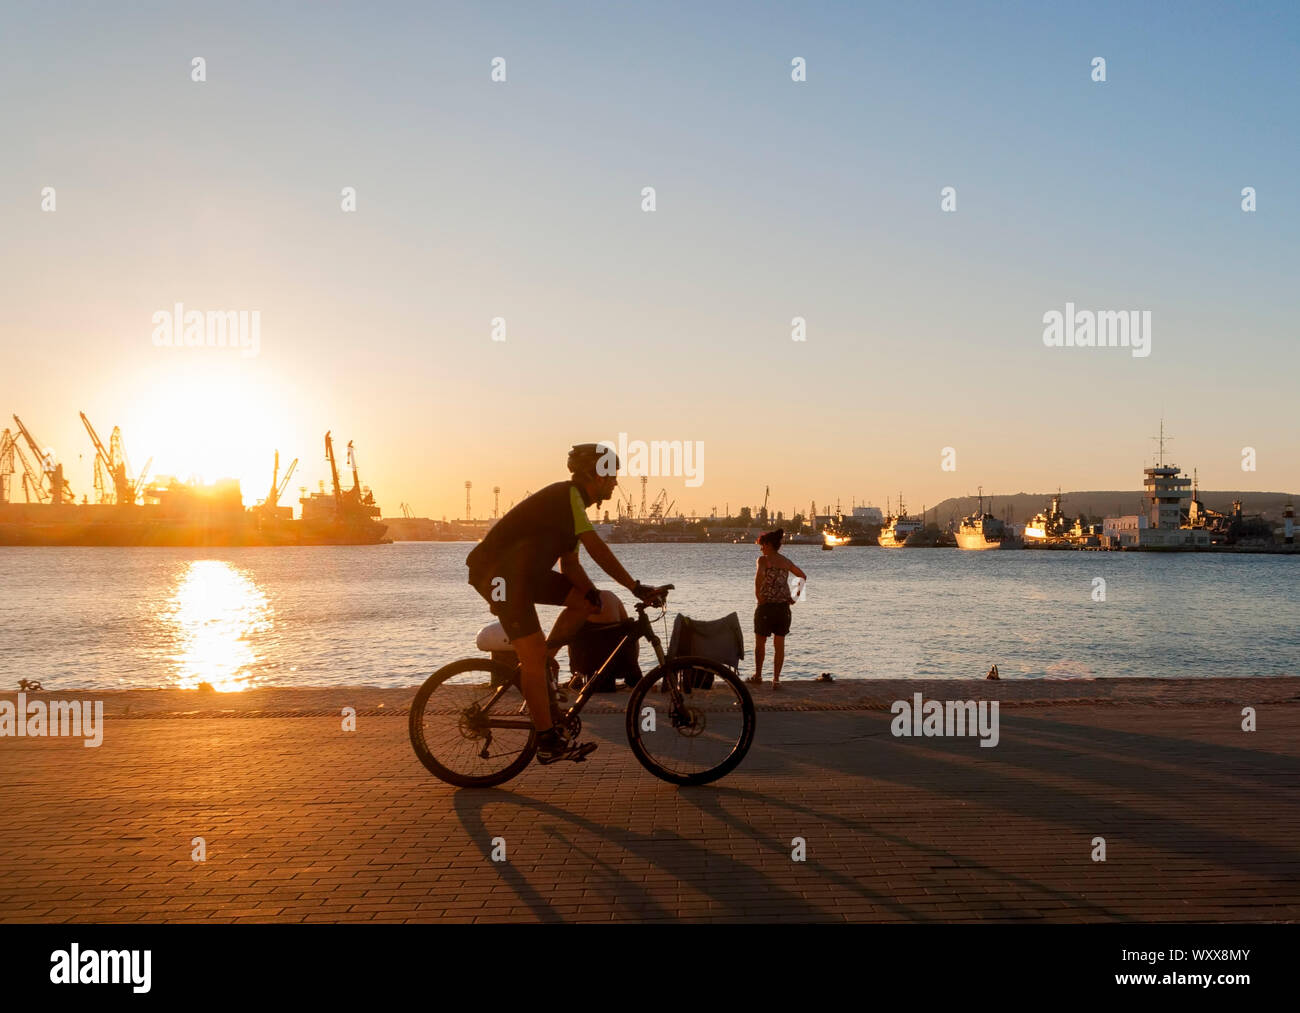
column 512, row 569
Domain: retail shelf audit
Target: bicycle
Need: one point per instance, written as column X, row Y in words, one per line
column 479, row 733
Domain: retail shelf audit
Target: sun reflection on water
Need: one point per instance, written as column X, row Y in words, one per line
column 217, row 611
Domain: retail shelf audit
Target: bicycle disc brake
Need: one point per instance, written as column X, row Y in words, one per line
column 688, row 720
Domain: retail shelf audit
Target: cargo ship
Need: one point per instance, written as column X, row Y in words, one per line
column 171, row 512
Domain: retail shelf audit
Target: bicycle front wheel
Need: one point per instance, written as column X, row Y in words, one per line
column 690, row 721
column 470, row 725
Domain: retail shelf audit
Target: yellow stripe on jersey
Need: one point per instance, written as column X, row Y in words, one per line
column 580, row 522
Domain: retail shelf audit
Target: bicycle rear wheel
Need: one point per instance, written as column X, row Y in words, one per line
column 690, row 721
column 470, row 725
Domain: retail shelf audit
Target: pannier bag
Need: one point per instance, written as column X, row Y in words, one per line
column 718, row 640
column 594, row 643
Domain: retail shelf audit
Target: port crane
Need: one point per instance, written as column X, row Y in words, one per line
column 33, row 482
column 660, row 508
column 334, row 471
column 60, row 491
column 113, row 470
column 278, row 484
column 357, row 493
column 6, row 464
column 350, row 502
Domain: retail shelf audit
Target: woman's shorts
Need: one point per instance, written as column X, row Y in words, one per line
column 771, row 619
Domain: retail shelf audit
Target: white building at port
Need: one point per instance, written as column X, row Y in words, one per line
column 1160, row 525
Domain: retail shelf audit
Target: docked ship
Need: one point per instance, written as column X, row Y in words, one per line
column 169, row 512
column 1050, row 526
column 843, row 530
column 900, row 530
column 982, row 530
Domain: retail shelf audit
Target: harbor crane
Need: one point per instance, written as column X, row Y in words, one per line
column 278, row 485
column 113, row 483
column 6, row 464
column 626, row 507
column 59, row 489
column 33, row 482
column 660, row 508
column 348, row 503
column 334, row 471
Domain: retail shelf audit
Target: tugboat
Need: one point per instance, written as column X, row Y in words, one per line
column 984, row 531
column 900, row 530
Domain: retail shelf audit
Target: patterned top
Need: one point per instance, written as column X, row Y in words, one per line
column 775, row 585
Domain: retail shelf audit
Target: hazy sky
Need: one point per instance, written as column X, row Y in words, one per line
column 775, row 199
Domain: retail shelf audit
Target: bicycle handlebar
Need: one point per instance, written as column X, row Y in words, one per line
column 658, row 597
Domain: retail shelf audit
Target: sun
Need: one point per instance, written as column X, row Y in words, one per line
column 208, row 421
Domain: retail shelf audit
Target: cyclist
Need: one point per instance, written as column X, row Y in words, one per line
column 512, row 569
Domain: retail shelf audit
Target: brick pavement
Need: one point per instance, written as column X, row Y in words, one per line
column 306, row 823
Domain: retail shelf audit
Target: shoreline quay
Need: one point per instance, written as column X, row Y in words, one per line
column 795, row 695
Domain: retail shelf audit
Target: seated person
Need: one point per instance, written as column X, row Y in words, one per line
column 597, row 639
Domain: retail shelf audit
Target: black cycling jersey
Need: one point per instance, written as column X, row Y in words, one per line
column 535, row 533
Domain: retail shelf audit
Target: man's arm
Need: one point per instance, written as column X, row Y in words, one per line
column 605, row 559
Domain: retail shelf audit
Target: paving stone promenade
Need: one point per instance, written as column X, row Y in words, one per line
column 304, row 822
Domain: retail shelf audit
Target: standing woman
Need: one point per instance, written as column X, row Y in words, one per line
column 772, row 617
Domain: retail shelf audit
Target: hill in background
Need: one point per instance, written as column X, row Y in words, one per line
column 1096, row 505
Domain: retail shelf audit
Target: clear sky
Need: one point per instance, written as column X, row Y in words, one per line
column 775, row 199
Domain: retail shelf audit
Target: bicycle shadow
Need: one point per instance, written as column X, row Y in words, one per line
column 1125, row 766
column 710, row 803
column 727, row 881
column 1110, row 790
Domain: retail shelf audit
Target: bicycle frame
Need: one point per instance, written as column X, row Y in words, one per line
column 639, row 628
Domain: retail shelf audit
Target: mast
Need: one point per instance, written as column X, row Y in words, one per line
column 1161, row 440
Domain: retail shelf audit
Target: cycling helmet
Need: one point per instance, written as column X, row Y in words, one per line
column 593, row 459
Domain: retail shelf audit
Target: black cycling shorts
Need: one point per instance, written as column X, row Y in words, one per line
column 772, row 619
column 512, row 598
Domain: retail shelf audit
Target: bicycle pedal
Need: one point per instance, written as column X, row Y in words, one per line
column 577, row 755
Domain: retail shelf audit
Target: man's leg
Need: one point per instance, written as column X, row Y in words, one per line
column 778, row 657
column 518, row 617
column 577, row 610
column 532, row 663
column 534, row 650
